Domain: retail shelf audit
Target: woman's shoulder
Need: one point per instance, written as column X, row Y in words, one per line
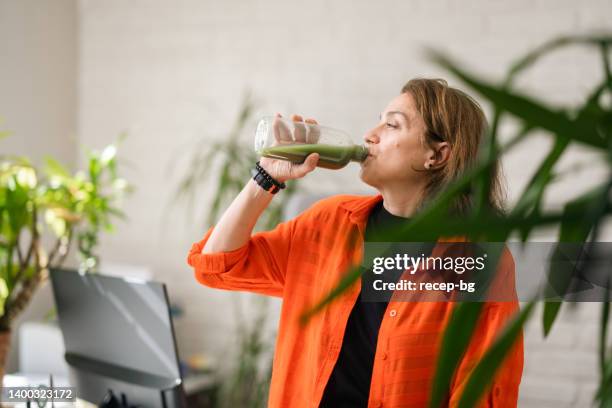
column 339, row 202
column 331, row 211
column 338, row 199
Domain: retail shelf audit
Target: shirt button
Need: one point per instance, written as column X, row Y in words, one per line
column 384, row 356
column 393, row 312
column 378, row 404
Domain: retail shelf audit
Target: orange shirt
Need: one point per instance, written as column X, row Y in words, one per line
column 301, row 261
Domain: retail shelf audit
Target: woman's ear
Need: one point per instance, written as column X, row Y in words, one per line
column 438, row 155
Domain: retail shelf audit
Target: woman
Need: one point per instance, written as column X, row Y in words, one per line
column 354, row 353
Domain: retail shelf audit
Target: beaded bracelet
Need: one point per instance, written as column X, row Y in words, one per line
column 265, row 180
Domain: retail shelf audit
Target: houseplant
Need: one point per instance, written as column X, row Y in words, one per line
column 588, row 124
column 43, row 215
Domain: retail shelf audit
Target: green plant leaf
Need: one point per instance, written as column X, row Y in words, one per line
column 55, row 168
column 604, row 392
column 487, row 366
column 95, row 168
column 460, row 328
column 531, row 57
column 549, row 315
column 582, row 214
column 603, row 331
column 4, row 294
column 346, row 282
column 532, row 195
column 222, row 187
column 533, row 113
column 456, row 338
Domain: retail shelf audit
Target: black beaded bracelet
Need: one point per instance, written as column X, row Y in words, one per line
column 265, row 180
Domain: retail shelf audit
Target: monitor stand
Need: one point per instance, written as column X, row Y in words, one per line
column 111, row 401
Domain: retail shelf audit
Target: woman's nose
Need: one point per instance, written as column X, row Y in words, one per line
column 371, row 137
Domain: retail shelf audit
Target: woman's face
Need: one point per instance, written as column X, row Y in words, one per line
column 397, row 154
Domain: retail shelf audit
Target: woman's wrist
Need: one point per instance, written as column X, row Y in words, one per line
column 257, row 193
column 268, row 165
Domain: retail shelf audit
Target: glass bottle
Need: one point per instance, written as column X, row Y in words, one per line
column 284, row 139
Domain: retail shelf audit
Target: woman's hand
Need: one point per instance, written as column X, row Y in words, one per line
column 283, row 170
column 236, row 225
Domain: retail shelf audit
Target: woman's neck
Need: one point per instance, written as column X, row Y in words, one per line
column 402, row 203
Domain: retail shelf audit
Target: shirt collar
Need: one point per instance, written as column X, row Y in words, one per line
column 359, row 208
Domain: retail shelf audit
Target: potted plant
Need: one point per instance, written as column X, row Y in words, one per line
column 43, row 214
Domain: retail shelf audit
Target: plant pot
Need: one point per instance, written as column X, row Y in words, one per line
column 5, row 345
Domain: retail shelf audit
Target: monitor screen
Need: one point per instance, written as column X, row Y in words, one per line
column 119, row 322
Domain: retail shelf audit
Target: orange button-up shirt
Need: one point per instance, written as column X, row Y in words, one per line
column 301, row 261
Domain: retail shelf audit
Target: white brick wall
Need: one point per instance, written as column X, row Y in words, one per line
column 562, row 370
column 38, row 43
column 171, row 71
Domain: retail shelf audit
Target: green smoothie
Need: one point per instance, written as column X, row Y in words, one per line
column 330, row 157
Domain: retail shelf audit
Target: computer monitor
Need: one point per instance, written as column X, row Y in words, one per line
column 118, row 336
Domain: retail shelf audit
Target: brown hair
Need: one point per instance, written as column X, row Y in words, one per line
column 453, row 116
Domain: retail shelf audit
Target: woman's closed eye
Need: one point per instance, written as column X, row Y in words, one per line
column 392, row 125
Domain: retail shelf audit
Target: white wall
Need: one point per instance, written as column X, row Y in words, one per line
column 168, row 72
column 38, row 70
column 37, row 78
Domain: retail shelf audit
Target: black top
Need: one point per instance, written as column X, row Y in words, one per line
column 349, row 383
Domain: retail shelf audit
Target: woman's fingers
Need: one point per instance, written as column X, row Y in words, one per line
column 299, row 133
column 314, row 132
column 281, row 132
column 304, row 131
column 300, row 170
